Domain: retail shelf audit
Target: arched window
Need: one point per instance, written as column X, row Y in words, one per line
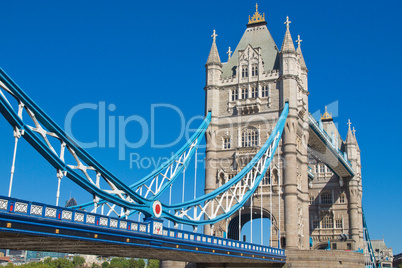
column 326, row 198
column 254, row 70
column 254, row 92
column 244, row 93
column 249, row 138
column 222, row 180
column 226, row 143
column 327, row 221
column 266, row 180
column 342, row 199
column 235, row 94
column 244, row 71
column 264, row 91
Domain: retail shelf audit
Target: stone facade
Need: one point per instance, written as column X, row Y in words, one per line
column 246, row 95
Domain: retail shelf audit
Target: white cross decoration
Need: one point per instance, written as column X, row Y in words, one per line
column 229, row 53
column 298, row 41
column 287, row 22
column 349, row 123
column 214, row 35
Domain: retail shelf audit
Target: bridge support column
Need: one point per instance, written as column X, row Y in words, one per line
column 211, row 164
column 290, row 182
column 354, row 214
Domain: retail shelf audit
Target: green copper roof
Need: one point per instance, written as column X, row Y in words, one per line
column 256, row 36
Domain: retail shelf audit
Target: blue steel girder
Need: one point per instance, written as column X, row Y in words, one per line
column 116, row 192
column 320, row 145
column 76, row 231
column 230, row 197
column 154, row 184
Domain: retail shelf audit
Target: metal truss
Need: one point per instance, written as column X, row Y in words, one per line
column 369, row 256
column 75, row 163
column 153, row 185
column 230, row 197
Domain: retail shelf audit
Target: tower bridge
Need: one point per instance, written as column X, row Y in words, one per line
column 284, row 165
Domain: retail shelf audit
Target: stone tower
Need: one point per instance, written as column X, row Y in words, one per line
column 246, row 95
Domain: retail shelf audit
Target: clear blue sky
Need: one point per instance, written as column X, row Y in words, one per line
column 137, row 53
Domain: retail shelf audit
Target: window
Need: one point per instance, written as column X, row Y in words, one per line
column 315, row 224
column 312, row 200
column 316, row 169
column 327, row 221
column 226, row 143
column 264, row 91
column 244, row 71
column 338, row 223
column 326, row 198
column 322, row 168
column 254, row 70
column 334, row 246
column 342, row 199
column 244, row 93
column 249, row 138
column 349, row 245
column 254, row 92
column 235, row 94
column 266, row 180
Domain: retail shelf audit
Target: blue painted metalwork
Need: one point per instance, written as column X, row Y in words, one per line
column 268, row 148
column 368, row 245
column 193, row 141
column 82, row 225
column 322, row 134
column 132, row 200
column 139, row 204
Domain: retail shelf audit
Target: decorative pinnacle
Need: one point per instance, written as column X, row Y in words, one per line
column 287, row 22
column 349, row 123
column 229, row 53
column 214, row 35
column 257, row 17
column 298, row 41
column 354, row 131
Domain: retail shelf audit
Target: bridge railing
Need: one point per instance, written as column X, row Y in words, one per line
column 328, row 139
column 34, row 209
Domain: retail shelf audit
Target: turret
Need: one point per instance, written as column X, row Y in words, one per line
column 213, row 65
column 213, row 77
column 289, row 69
column 354, row 189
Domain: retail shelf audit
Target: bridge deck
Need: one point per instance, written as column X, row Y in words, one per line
column 20, row 228
column 322, row 147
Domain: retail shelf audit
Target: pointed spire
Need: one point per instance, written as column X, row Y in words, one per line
column 299, row 52
column 287, row 44
column 350, row 137
column 213, row 57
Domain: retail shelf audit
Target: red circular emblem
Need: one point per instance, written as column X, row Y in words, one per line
column 157, row 209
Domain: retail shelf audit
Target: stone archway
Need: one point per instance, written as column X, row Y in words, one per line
column 233, row 225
